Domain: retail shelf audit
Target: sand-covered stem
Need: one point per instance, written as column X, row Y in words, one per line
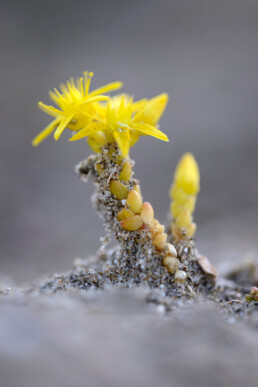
column 118, row 201
column 144, row 254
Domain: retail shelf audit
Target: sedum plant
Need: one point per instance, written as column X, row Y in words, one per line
column 146, row 253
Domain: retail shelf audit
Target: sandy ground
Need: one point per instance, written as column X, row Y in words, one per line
column 114, row 338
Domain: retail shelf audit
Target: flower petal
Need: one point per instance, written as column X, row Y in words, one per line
column 105, row 89
column 134, row 137
column 138, row 105
column 96, row 99
column 50, row 110
column 62, row 127
column 125, row 110
column 153, row 110
column 149, row 130
column 87, row 81
column 46, row 132
column 123, row 141
column 89, row 129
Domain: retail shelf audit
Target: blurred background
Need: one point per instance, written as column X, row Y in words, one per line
column 203, row 53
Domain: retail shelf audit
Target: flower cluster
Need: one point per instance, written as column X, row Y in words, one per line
column 183, row 193
column 102, row 119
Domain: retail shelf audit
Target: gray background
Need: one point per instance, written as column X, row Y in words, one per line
column 203, row 53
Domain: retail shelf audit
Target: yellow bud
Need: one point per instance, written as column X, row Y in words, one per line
column 147, row 213
column 118, row 189
column 184, row 219
column 180, row 276
column 160, row 240
column 187, row 174
column 125, row 213
column 183, row 192
column 134, row 201
column 132, row 224
column 126, row 172
column 96, row 141
column 171, row 264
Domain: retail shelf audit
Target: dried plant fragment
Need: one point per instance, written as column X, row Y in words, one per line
column 207, row 267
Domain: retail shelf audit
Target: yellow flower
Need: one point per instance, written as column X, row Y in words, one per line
column 136, row 106
column 76, row 106
column 124, row 121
